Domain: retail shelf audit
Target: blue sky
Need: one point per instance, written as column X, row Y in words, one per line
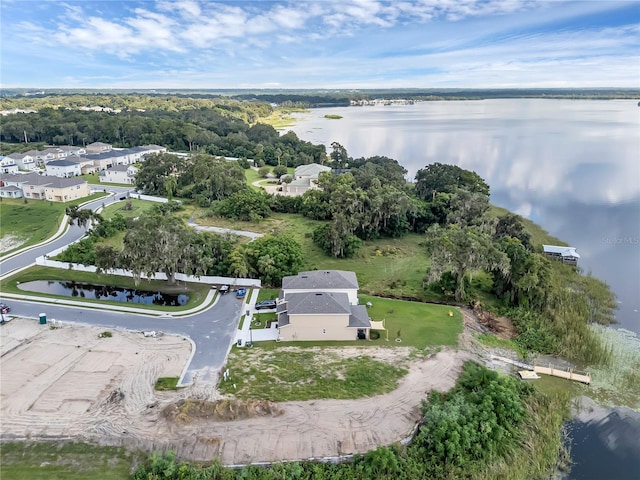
column 319, row 44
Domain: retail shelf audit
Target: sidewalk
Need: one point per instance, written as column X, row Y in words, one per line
column 247, row 334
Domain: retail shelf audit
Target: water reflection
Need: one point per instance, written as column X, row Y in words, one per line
column 104, row 292
column 571, row 166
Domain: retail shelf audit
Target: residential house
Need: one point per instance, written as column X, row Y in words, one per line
column 66, row 189
column 41, row 187
column 8, row 165
column 62, row 168
column 567, row 255
column 105, row 160
column 10, row 192
column 86, row 164
column 24, row 161
column 98, row 147
column 305, row 178
column 321, row 305
column 120, row 174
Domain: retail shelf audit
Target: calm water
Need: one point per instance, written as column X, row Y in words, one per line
column 104, row 292
column 571, row 166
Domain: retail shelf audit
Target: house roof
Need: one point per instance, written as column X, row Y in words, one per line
column 562, row 251
column 57, row 182
column 109, row 154
column 118, row 168
column 17, row 156
column 62, row 163
column 11, row 188
column 311, row 170
column 315, row 279
column 301, row 182
column 43, row 180
column 98, row 144
column 359, row 317
column 310, row 303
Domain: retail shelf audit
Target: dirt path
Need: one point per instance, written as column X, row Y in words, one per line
column 69, row 383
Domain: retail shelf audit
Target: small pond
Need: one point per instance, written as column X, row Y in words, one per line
column 104, row 292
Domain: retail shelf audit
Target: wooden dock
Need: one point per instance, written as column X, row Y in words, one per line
column 569, row 374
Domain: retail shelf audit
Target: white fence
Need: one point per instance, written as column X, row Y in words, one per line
column 244, row 282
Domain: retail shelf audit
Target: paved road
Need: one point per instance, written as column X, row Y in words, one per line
column 212, row 330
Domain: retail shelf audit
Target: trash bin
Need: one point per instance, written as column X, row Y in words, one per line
column 43, row 318
column 239, row 342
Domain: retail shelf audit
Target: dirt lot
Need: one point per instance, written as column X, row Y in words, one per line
column 69, row 383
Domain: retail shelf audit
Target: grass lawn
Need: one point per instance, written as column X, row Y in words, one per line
column 305, row 375
column 36, row 220
column 261, row 320
column 281, row 119
column 197, row 292
column 138, row 207
column 167, row 383
column 420, row 324
column 69, row 461
column 267, row 294
column 252, row 175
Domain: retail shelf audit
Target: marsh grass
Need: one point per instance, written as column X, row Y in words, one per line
column 617, row 382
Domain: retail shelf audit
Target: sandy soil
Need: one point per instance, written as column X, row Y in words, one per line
column 69, row 383
column 10, row 242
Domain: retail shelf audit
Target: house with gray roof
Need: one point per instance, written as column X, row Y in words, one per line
column 321, row 305
column 305, row 178
column 63, row 168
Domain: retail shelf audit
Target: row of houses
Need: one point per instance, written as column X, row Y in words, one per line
column 42, row 187
column 69, row 161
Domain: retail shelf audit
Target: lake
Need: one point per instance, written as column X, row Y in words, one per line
column 571, row 166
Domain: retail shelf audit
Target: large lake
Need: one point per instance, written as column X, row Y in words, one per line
column 572, row 166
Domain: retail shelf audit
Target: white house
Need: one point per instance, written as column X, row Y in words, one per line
column 305, row 178
column 120, row 174
column 10, row 192
column 63, row 169
column 97, row 147
column 25, row 161
column 567, row 255
column 8, row 165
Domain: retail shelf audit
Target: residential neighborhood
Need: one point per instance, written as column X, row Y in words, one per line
column 43, row 187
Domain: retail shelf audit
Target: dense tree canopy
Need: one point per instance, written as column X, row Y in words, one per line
column 441, row 178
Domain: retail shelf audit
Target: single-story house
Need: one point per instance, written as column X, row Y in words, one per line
column 305, row 178
column 321, row 305
column 567, row 255
column 63, row 168
column 11, row 192
column 120, row 174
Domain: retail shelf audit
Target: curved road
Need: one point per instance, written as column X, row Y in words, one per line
column 212, row 331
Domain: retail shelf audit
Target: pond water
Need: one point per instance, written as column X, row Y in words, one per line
column 104, row 292
column 571, row 166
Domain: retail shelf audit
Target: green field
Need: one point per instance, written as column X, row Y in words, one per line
column 282, row 376
column 34, row 221
column 69, row 461
column 138, row 207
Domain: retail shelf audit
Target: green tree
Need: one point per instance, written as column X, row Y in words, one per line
column 170, row 185
column 82, row 217
column 264, row 171
column 463, row 251
column 274, row 257
column 279, row 170
column 161, row 244
column 439, row 177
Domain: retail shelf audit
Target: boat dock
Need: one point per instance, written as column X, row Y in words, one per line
column 569, row 374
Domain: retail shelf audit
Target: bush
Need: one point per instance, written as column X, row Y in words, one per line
column 374, row 334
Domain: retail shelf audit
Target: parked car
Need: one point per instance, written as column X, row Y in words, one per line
column 266, row 304
column 4, row 308
column 241, row 292
column 224, row 289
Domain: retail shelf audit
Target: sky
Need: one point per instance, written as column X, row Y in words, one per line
column 345, row 44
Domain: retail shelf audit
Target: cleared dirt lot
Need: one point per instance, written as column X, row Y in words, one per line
column 69, row 383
